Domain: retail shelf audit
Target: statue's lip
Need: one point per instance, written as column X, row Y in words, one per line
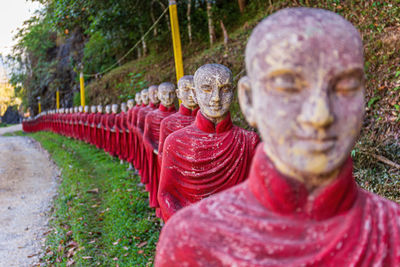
column 316, row 144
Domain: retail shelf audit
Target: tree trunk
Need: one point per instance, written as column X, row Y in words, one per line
column 226, row 36
column 189, row 6
column 211, row 29
column 144, row 45
column 166, row 16
column 242, row 5
column 153, row 19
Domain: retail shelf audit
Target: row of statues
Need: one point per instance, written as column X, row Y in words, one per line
column 295, row 203
column 182, row 157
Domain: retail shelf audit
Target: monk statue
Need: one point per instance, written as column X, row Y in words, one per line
column 131, row 105
column 121, row 136
column 167, row 96
column 104, row 132
column 97, row 123
column 184, row 117
column 91, row 126
column 140, row 124
column 111, row 126
column 210, row 155
column 300, row 205
column 132, row 123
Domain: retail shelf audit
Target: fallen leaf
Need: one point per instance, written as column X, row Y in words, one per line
column 93, row 191
column 115, row 259
column 87, row 257
column 142, row 244
column 70, row 262
column 72, row 244
column 69, row 233
column 126, row 248
column 140, row 251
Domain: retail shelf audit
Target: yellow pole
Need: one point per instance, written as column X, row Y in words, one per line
column 176, row 39
column 40, row 107
column 82, row 81
column 58, row 99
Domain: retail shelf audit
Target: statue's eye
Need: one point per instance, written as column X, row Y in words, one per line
column 285, row 83
column 206, row 88
column 348, row 85
column 226, row 88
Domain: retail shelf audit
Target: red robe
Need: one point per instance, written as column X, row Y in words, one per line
column 175, row 122
column 110, row 134
column 103, row 132
column 140, row 146
column 272, row 220
column 201, row 160
column 122, row 138
column 133, row 158
column 150, row 139
column 89, row 128
column 95, row 130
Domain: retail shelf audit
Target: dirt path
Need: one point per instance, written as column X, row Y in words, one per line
column 28, row 181
column 10, row 129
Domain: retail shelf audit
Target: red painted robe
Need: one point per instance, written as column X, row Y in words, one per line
column 272, row 220
column 103, row 132
column 151, row 137
column 122, row 137
column 110, row 134
column 95, row 130
column 89, row 128
column 175, row 122
column 140, row 146
column 201, row 160
column 132, row 124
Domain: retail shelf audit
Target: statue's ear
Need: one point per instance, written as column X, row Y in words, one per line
column 193, row 94
column 177, row 93
column 246, row 100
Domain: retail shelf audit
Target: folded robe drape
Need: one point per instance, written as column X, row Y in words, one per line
column 142, row 167
column 110, row 134
column 95, row 129
column 184, row 117
column 134, row 153
column 151, row 138
column 203, row 159
column 272, row 220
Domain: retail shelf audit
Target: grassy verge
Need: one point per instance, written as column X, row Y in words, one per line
column 101, row 214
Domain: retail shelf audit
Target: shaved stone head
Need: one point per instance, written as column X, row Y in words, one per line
column 213, row 91
column 145, row 96
column 153, row 94
column 185, row 91
column 304, row 91
column 166, row 94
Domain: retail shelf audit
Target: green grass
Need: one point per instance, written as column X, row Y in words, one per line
column 113, row 226
column 3, row 125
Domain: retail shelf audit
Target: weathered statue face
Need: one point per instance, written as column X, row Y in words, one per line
column 123, row 107
column 184, row 91
column 305, row 90
column 213, row 90
column 145, row 96
column 138, row 99
column 114, row 108
column 100, row 108
column 166, row 94
column 108, row 109
column 153, row 94
column 131, row 103
column 93, row 109
column 76, row 109
column 86, row 109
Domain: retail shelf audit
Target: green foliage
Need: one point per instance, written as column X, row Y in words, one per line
column 100, row 210
column 136, row 83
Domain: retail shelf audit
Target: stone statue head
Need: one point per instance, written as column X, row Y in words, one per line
column 305, row 91
column 71, row 110
column 184, row 91
column 123, row 107
column 76, row 109
column 114, row 108
column 213, row 91
column 108, row 109
column 153, row 94
column 138, row 99
column 131, row 103
column 145, row 96
column 99, row 108
column 93, row 109
column 86, row 109
column 166, row 94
